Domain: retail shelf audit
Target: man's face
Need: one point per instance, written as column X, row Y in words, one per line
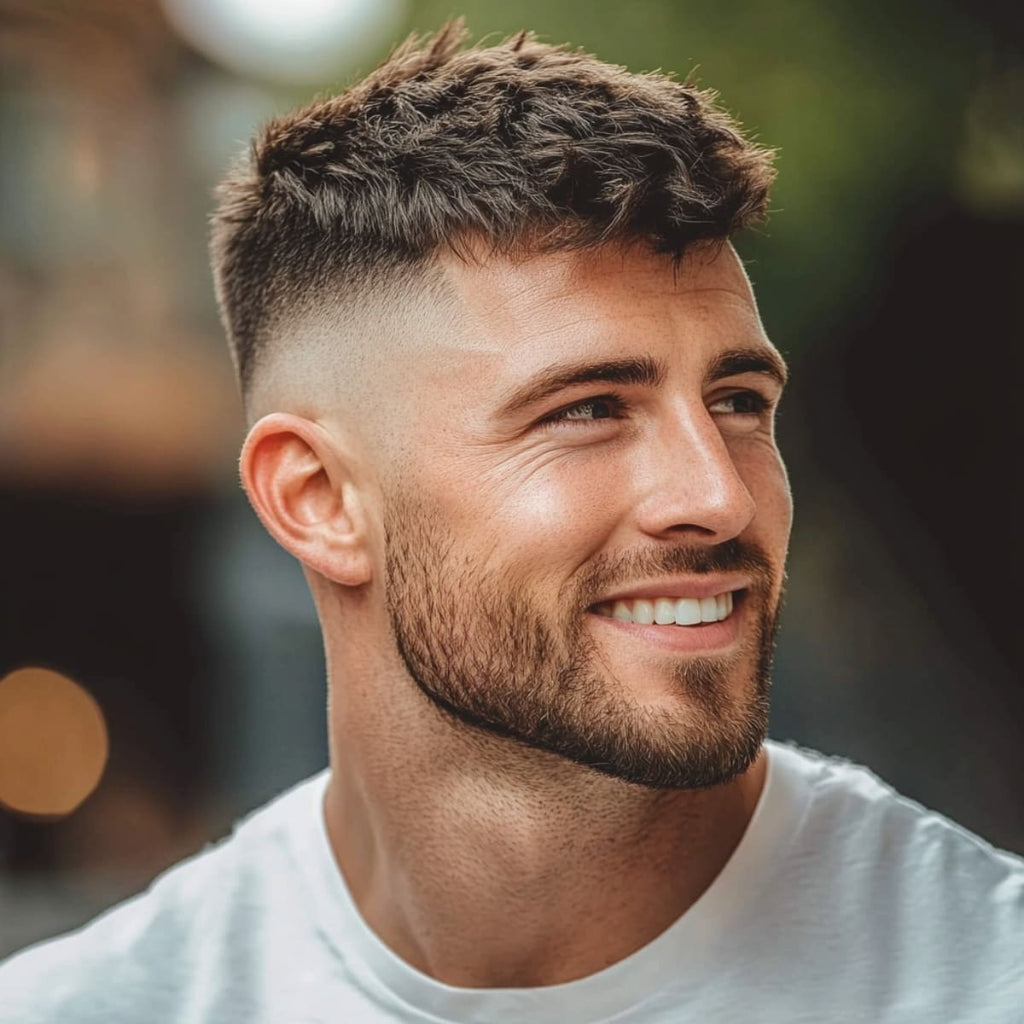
column 591, row 447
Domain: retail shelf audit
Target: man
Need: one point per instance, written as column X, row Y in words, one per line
column 511, row 407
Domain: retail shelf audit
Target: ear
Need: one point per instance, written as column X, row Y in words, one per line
column 301, row 484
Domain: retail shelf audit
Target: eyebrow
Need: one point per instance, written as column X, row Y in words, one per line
column 748, row 360
column 644, row 371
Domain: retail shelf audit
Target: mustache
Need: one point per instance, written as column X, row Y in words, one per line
column 731, row 556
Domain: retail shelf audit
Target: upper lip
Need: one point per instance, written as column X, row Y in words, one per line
column 688, row 586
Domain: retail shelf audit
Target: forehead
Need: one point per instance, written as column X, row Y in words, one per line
column 513, row 316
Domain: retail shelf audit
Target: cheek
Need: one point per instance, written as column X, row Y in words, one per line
column 560, row 512
column 766, row 478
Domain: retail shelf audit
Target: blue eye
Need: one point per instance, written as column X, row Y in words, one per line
column 590, row 410
column 604, row 408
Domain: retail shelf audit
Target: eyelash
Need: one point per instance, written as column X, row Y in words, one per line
column 758, row 401
column 619, row 408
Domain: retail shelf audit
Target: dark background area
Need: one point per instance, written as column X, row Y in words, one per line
column 889, row 275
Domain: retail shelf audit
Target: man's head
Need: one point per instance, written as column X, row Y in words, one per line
column 511, row 397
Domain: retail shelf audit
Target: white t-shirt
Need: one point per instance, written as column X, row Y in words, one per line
column 842, row 902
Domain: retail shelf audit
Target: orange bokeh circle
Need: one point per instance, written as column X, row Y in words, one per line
column 53, row 743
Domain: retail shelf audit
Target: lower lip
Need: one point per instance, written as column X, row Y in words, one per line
column 709, row 636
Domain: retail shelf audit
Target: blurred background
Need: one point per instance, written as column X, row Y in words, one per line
column 160, row 663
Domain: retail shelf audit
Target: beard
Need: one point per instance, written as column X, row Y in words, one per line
column 489, row 658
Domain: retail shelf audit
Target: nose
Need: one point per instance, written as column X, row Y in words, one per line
column 690, row 484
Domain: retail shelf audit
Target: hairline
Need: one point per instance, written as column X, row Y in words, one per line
column 391, row 297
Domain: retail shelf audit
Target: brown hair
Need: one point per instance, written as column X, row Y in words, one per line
column 522, row 144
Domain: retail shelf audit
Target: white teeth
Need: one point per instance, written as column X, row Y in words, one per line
column 683, row 611
column 664, row 612
column 687, row 611
column 643, row 612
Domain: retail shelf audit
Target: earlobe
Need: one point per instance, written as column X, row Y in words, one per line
column 303, row 489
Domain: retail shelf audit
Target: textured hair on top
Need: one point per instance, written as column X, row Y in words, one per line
column 523, row 146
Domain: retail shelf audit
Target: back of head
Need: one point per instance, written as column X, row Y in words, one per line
column 522, row 146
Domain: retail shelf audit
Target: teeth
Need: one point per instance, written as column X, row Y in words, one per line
column 643, row 612
column 683, row 611
column 664, row 612
column 687, row 611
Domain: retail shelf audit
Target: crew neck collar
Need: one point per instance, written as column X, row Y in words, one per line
column 684, row 953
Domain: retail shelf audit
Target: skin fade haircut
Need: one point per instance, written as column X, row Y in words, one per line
column 523, row 146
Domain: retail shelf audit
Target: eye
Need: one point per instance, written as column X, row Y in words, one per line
column 604, row 407
column 742, row 403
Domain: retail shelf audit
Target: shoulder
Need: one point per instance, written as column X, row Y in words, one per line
column 157, row 949
column 905, row 889
column 854, row 806
column 851, row 811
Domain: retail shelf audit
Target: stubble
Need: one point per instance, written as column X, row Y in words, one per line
column 486, row 657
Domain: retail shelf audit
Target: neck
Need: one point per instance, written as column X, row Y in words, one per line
column 487, row 864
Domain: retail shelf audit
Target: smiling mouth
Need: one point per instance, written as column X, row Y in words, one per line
column 669, row 611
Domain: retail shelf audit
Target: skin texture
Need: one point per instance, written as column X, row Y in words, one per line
column 490, row 859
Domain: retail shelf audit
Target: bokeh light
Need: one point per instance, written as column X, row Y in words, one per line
column 53, row 743
column 299, row 42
